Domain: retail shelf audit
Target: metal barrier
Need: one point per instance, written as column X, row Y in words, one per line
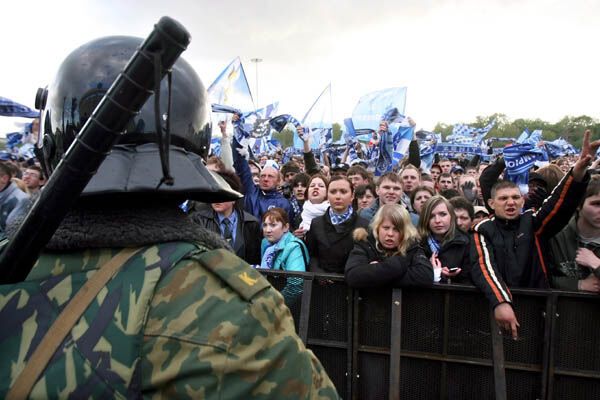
column 443, row 343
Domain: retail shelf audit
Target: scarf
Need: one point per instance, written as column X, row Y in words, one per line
column 295, row 205
column 337, row 219
column 269, row 256
column 311, row 211
column 434, row 245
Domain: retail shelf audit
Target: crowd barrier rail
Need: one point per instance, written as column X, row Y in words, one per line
column 443, row 343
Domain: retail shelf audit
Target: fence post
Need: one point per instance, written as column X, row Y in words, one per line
column 498, row 359
column 550, row 344
column 396, row 344
column 305, row 309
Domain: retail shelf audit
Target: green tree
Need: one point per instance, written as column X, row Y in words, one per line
column 570, row 128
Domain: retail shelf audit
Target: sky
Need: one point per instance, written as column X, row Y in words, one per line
column 458, row 58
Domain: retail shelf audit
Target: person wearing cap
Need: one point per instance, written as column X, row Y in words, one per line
column 339, row 169
column 480, row 214
column 456, row 172
column 289, row 171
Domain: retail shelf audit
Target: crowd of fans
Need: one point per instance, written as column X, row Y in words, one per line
column 456, row 222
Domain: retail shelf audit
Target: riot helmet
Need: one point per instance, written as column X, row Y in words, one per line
column 133, row 166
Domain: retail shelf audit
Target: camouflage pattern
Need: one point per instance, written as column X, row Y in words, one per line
column 178, row 321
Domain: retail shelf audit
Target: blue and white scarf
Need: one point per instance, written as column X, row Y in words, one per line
column 269, row 256
column 519, row 158
column 337, row 219
column 434, row 245
column 296, row 205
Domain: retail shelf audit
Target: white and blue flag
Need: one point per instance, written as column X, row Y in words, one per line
column 387, row 104
column 465, row 134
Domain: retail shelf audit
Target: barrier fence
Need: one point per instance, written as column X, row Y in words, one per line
column 442, row 343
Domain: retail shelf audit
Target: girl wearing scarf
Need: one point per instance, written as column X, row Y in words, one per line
column 316, row 203
column 390, row 255
column 280, row 250
column 446, row 246
column 329, row 239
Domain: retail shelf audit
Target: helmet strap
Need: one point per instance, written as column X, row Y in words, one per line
column 163, row 141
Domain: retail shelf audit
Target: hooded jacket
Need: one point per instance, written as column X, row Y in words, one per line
column 369, row 267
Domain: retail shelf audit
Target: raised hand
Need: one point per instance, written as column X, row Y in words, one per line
column 588, row 152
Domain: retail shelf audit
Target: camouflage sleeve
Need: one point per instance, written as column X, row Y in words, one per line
column 209, row 337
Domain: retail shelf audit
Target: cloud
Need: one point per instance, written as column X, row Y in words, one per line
column 459, row 58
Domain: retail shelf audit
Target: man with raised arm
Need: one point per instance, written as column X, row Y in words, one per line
column 508, row 249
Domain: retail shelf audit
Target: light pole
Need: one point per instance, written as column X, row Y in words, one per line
column 256, row 61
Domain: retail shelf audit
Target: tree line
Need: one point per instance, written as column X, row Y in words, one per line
column 569, row 127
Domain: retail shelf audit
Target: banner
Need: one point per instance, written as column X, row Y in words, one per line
column 374, row 107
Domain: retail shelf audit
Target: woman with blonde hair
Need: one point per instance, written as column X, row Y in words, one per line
column 446, row 246
column 390, row 255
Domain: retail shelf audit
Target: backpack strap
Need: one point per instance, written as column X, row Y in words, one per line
column 64, row 323
column 303, row 251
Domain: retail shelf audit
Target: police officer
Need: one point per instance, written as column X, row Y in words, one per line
column 182, row 317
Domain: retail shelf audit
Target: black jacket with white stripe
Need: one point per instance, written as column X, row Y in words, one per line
column 510, row 253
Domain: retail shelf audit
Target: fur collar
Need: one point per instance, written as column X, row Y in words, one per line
column 100, row 227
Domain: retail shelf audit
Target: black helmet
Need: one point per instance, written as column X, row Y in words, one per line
column 133, row 165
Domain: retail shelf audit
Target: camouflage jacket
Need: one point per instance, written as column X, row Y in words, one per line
column 177, row 321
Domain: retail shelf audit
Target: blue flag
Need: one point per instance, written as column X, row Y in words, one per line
column 9, row 108
column 231, row 87
column 374, row 107
column 402, row 138
column 532, row 138
column 560, row 148
column 427, row 147
column 465, row 134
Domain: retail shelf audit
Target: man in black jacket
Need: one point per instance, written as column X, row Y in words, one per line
column 229, row 220
column 508, row 249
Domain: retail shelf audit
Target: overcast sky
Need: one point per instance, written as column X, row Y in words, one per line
column 458, row 58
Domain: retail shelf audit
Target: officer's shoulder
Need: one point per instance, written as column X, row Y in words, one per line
column 233, row 272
